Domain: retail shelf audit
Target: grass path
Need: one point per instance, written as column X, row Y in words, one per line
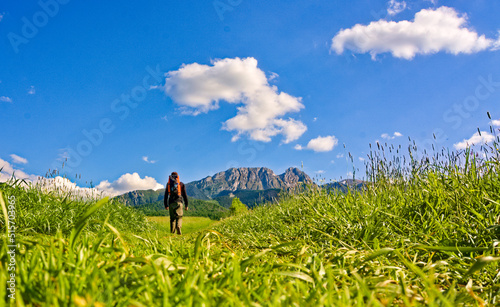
column 190, row 224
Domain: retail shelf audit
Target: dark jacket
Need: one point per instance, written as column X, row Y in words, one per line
column 173, row 198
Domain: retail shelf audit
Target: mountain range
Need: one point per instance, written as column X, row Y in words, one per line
column 245, row 178
column 252, row 185
column 345, row 185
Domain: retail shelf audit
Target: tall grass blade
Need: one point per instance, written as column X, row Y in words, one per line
column 5, row 215
column 80, row 225
column 481, row 263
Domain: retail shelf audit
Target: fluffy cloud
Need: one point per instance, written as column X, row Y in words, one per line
column 320, row 144
column 199, row 88
column 146, row 159
column 64, row 186
column 57, row 184
column 18, row 160
column 432, row 30
column 5, row 99
column 8, row 171
column 128, row 182
column 396, row 7
column 495, row 122
column 31, row 91
column 389, row 137
column 476, row 139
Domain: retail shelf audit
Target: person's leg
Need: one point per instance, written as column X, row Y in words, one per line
column 179, row 225
column 173, row 224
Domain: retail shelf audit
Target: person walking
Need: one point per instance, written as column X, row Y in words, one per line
column 175, row 201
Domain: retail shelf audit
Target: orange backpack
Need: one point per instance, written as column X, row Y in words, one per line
column 177, row 185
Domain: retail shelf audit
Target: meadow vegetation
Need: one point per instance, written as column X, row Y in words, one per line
column 190, row 224
column 424, row 231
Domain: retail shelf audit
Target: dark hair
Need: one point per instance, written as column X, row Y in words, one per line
column 174, row 174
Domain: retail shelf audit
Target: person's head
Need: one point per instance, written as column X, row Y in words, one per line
column 174, row 176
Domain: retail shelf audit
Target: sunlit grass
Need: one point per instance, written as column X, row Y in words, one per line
column 190, row 224
column 424, row 231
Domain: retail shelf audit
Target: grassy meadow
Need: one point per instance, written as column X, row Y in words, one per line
column 190, row 224
column 424, row 232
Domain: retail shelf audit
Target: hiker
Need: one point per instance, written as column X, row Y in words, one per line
column 175, row 199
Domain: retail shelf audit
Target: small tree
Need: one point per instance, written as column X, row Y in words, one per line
column 237, row 207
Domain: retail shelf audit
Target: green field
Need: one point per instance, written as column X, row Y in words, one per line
column 422, row 233
column 190, row 224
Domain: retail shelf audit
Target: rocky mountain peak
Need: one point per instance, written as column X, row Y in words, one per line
column 246, row 178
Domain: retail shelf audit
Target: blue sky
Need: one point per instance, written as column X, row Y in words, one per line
column 129, row 92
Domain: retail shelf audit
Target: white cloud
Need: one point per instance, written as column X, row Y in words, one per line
column 64, row 186
column 18, row 160
column 31, row 91
column 165, row 118
column 495, row 122
column 395, row 7
column 5, row 99
column 319, row 172
column 361, row 159
column 389, row 137
column 432, row 31
column 476, row 139
column 57, row 184
column 340, row 155
column 199, row 88
column 320, row 144
column 146, row 159
column 128, row 182
column 7, row 171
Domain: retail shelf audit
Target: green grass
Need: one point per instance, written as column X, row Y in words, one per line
column 190, row 224
column 425, row 231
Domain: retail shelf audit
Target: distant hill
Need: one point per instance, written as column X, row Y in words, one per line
column 140, row 197
column 252, row 185
column 346, row 185
column 251, row 198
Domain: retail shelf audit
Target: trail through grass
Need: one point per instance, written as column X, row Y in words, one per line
column 190, row 224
